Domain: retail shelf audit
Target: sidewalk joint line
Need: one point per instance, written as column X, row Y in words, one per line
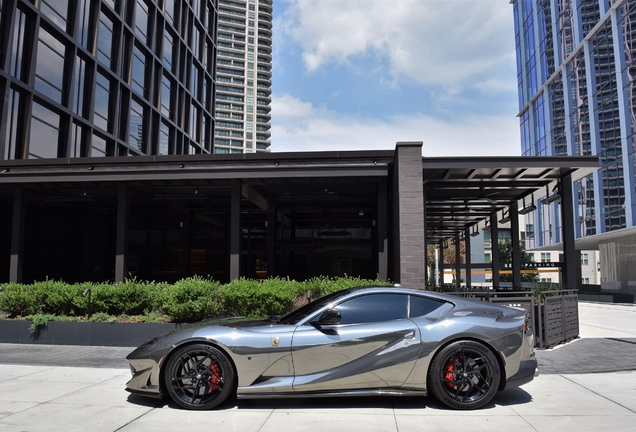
column 598, row 394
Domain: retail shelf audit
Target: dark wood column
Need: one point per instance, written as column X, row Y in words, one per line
column 458, row 267
column 440, row 265
column 271, row 243
column 235, row 230
column 468, row 258
column 17, row 235
column 494, row 249
column 121, row 241
column 382, row 231
column 571, row 259
column 513, row 211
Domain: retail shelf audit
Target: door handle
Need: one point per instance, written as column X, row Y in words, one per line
column 410, row 335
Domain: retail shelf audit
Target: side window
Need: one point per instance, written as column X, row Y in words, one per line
column 421, row 306
column 373, row 308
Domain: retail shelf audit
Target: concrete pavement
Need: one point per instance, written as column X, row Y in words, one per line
column 46, row 396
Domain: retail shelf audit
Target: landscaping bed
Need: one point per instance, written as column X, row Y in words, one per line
column 131, row 312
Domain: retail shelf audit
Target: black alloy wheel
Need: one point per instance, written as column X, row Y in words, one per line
column 464, row 375
column 199, row 377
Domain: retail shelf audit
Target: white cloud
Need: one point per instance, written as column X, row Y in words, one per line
column 300, row 126
column 455, row 44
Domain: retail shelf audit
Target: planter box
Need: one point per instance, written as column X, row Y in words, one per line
column 82, row 333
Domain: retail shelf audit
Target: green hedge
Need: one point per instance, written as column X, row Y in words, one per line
column 187, row 300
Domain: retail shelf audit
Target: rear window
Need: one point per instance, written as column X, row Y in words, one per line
column 421, row 306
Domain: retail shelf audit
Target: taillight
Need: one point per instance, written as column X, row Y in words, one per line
column 526, row 325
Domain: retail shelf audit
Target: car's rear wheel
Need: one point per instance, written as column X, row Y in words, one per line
column 464, row 375
column 199, row 377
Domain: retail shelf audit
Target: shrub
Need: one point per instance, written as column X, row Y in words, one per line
column 17, row 300
column 128, row 297
column 248, row 297
column 189, row 300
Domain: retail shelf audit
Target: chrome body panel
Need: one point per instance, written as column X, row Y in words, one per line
column 371, row 392
column 387, row 357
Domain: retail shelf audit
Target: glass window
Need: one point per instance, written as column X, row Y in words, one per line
column 78, row 82
column 164, row 139
column 136, row 126
column 98, row 146
column 106, row 41
column 102, row 103
column 56, row 11
column 194, row 82
column 84, row 18
column 169, row 11
column 194, row 123
column 77, row 138
column 49, row 70
column 12, row 124
column 141, row 21
column 373, row 308
column 138, row 82
column 44, row 134
column 421, row 306
column 166, row 96
column 168, row 49
column 196, row 42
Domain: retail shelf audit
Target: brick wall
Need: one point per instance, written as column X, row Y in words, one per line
column 408, row 224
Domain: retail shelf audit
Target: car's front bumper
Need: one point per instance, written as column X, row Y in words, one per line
column 527, row 371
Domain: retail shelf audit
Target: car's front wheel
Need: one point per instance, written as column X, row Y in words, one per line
column 464, row 375
column 199, row 377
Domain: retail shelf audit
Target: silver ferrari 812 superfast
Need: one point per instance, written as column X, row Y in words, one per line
column 356, row 342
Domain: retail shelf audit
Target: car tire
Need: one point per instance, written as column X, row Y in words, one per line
column 464, row 375
column 199, row 377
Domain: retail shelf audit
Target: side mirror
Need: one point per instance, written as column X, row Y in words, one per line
column 327, row 318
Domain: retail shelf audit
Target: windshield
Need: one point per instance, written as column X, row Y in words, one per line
column 299, row 314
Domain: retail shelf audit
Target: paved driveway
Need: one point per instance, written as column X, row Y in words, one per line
column 39, row 391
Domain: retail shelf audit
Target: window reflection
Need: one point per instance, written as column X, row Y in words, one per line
column 141, row 21
column 49, row 70
column 106, row 41
column 102, row 103
column 56, row 11
column 138, row 82
column 44, row 133
column 136, row 126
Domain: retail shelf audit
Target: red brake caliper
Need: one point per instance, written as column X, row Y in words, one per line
column 450, row 372
column 215, row 378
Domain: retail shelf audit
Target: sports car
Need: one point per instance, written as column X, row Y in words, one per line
column 355, row 342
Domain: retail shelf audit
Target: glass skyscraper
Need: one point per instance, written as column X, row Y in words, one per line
column 244, row 63
column 90, row 78
column 577, row 96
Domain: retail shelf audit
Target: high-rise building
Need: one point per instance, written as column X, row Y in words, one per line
column 92, row 78
column 577, row 96
column 243, row 74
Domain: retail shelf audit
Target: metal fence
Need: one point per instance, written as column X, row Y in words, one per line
column 554, row 315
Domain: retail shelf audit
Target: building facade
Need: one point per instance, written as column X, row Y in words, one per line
column 244, row 63
column 577, row 96
column 107, row 78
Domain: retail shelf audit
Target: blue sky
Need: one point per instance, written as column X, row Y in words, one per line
column 363, row 74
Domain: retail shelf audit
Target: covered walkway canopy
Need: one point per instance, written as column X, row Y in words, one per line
column 461, row 192
column 288, row 214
